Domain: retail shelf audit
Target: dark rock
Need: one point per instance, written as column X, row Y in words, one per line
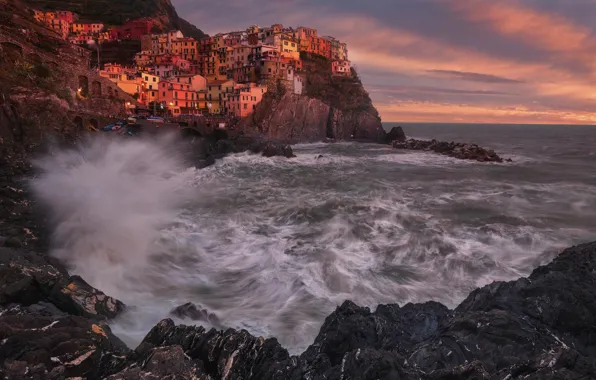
column 455, row 150
column 191, row 311
column 77, row 297
column 46, row 347
column 271, row 150
column 13, row 242
column 396, row 134
column 29, row 278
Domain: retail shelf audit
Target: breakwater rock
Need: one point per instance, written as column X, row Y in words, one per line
column 461, row 151
column 540, row 327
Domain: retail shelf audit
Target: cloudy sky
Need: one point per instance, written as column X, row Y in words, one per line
column 509, row 61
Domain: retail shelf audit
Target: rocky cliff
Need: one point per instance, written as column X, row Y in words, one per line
column 118, row 12
column 331, row 107
column 45, row 84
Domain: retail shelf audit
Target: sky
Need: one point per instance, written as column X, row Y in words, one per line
column 465, row 61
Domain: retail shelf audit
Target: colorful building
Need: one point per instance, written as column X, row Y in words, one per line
column 244, row 100
column 341, row 68
column 86, row 28
column 59, row 26
column 187, row 48
column 178, row 98
column 150, row 87
column 217, row 91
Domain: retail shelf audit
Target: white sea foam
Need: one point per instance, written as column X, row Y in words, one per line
column 274, row 245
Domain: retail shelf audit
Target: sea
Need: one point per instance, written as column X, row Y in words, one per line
column 274, row 245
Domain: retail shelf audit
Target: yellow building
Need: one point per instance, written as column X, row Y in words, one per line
column 287, row 44
column 187, row 48
column 217, row 91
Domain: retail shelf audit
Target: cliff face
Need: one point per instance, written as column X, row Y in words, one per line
column 118, row 12
column 331, row 107
column 40, row 78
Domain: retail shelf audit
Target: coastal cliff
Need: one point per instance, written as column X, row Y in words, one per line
column 331, row 107
column 46, row 86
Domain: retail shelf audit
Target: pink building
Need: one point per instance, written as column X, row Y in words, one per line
column 178, row 98
column 341, row 67
column 196, row 82
column 245, row 98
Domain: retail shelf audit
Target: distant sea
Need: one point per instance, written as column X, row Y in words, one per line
column 274, row 245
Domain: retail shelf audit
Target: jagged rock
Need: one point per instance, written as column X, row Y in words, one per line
column 36, row 346
column 456, row 150
column 27, row 278
column 77, row 297
column 163, row 363
column 191, row 311
column 225, row 354
column 396, row 134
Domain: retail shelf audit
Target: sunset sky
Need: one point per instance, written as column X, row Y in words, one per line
column 505, row 61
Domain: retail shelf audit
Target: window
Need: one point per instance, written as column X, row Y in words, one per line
column 286, row 43
column 152, row 93
column 176, row 102
column 270, row 69
column 245, row 106
column 164, row 94
column 147, row 79
column 293, row 44
column 154, row 79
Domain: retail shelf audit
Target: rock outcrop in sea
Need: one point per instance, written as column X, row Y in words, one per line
column 462, row 151
column 331, row 107
column 540, row 327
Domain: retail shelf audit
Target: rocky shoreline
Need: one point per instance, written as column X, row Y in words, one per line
column 463, row 151
column 55, row 326
column 542, row 327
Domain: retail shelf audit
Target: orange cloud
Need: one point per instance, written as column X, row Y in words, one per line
column 411, row 111
column 544, row 30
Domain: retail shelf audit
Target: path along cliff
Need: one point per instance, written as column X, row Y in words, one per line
column 330, row 108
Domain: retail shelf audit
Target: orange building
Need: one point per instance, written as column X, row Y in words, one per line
column 244, row 100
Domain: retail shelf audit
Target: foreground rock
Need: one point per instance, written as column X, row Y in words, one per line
column 457, row 150
column 540, row 327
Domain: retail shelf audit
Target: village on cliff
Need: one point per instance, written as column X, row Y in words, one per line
column 226, row 74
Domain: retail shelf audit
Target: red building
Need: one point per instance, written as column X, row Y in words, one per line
column 66, row 16
column 132, row 30
column 178, row 98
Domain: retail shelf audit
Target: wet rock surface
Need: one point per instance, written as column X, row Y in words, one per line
column 461, row 151
column 540, row 327
column 204, row 150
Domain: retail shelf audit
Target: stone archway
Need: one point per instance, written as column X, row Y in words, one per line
column 93, row 125
column 83, row 86
column 96, row 88
column 11, row 51
column 78, row 122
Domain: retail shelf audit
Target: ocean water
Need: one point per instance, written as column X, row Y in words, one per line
column 274, row 245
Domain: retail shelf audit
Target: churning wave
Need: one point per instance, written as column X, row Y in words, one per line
column 274, row 245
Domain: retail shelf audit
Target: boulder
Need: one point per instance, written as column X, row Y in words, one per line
column 191, row 311
column 395, row 134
